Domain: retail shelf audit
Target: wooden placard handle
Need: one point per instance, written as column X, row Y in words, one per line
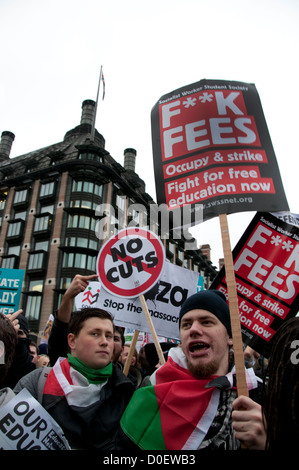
column 233, row 307
column 152, row 329
column 131, row 352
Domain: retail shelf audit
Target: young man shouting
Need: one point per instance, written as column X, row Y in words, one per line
column 189, row 403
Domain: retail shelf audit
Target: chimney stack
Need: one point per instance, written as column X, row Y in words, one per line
column 88, row 110
column 206, row 250
column 129, row 160
column 7, row 139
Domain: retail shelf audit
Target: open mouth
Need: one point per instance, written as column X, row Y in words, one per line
column 199, row 347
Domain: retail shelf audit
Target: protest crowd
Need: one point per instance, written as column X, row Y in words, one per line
column 190, row 402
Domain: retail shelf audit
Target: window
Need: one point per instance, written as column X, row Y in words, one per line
column 14, row 229
column 79, row 260
column 34, row 299
column 81, row 221
column 49, row 209
column 90, row 156
column 9, row 262
column 36, row 260
column 82, row 242
column 121, row 203
column 180, row 255
column 84, row 204
column 42, row 223
column 47, row 189
column 171, row 247
column 21, row 215
column 42, row 245
column 65, row 282
column 21, row 196
column 14, row 250
column 87, row 187
column 36, row 286
column 33, row 307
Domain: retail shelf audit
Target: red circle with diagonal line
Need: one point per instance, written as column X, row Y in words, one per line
column 131, row 262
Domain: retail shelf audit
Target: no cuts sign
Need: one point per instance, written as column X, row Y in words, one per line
column 211, row 146
column 266, row 265
column 131, row 262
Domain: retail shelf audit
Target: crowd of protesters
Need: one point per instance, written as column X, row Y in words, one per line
column 193, row 395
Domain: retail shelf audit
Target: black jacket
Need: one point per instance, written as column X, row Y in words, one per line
column 92, row 427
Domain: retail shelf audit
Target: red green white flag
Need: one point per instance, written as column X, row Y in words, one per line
column 174, row 412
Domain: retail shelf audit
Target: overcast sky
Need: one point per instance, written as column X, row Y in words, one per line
column 52, row 51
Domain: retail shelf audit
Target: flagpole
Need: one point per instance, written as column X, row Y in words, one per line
column 96, row 107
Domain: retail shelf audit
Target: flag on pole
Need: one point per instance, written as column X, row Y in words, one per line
column 103, row 80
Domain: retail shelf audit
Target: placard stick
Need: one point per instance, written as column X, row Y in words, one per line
column 131, row 352
column 233, row 307
column 152, row 328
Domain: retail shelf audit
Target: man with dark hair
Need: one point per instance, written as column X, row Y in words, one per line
column 85, row 393
column 9, row 327
column 8, row 342
column 188, row 404
column 57, row 344
column 22, row 362
column 119, row 342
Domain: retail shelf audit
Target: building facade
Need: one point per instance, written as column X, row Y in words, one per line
column 53, row 222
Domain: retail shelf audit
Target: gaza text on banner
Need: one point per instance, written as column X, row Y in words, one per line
column 164, row 301
column 266, row 266
column 10, row 289
column 211, row 146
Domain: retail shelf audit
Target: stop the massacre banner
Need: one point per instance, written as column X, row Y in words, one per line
column 266, row 265
column 211, row 146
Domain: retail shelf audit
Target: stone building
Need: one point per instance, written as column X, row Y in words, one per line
column 49, row 213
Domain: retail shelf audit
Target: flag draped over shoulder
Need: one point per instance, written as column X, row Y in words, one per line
column 176, row 411
column 64, row 381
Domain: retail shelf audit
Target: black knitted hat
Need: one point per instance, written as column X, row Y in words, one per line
column 211, row 300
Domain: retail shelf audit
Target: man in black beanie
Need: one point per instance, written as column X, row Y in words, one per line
column 205, row 331
column 189, row 402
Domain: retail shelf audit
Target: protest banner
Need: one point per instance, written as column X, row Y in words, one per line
column 164, row 301
column 26, row 425
column 89, row 297
column 10, row 289
column 288, row 217
column 131, row 262
column 266, row 266
column 47, row 330
column 211, row 146
column 128, row 265
column 212, row 150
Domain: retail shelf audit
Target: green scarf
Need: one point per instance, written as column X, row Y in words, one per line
column 94, row 376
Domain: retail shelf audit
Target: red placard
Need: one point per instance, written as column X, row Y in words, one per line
column 266, row 266
column 211, row 146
